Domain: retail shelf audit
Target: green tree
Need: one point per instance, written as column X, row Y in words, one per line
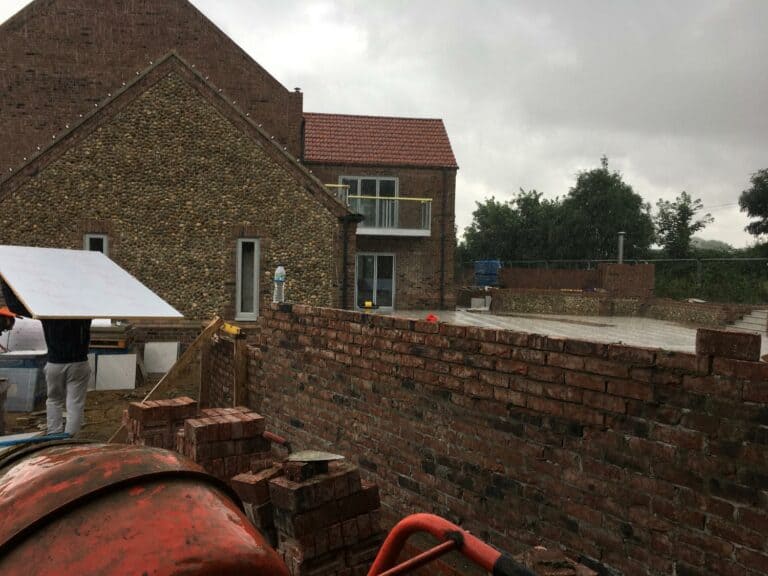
column 676, row 224
column 537, row 229
column 596, row 209
column 492, row 233
column 754, row 201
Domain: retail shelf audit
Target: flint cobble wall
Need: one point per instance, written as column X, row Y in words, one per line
column 174, row 184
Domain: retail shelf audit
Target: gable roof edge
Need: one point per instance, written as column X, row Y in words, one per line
column 44, row 155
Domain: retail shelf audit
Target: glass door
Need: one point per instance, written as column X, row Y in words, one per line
column 375, row 280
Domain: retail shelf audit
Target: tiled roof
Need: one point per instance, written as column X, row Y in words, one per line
column 376, row 140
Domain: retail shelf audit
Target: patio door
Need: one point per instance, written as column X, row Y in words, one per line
column 375, row 280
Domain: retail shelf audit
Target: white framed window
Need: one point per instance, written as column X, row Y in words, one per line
column 96, row 243
column 375, row 197
column 247, row 299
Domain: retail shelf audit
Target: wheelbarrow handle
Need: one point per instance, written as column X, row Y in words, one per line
column 451, row 537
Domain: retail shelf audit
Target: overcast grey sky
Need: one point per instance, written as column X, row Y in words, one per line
column 674, row 92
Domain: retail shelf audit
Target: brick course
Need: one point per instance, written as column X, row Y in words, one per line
column 618, row 460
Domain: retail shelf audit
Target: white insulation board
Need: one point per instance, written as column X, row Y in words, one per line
column 55, row 283
column 160, row 356
column 115, row 371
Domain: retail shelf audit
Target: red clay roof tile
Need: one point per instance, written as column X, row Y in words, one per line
column 376, row 140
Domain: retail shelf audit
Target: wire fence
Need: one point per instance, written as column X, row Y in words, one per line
column 739, row 280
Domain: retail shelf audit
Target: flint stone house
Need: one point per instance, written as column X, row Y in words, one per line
column 140, row 129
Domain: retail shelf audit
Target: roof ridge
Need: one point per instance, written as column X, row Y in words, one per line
column 372, row 116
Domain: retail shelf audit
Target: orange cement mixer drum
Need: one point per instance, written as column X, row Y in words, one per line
column 68, row 508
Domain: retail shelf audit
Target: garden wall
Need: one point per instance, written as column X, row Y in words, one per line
column 510, row 301
column 635, row 460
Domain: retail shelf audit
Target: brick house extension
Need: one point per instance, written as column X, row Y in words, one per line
column 400, row 173
column 160, row 141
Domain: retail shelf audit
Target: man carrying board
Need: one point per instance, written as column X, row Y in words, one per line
column 65, row 289
column 67, row 371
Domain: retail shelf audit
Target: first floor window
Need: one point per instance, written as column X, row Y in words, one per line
column 96, row 243
column 375, row 197
column 247, row 305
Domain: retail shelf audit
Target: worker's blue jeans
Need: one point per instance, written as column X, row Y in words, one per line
column 67, row 383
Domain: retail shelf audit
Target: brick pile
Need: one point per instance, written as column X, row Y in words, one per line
column 225, row 441
column 155, row 422
column 253, row 489
column 327, row 519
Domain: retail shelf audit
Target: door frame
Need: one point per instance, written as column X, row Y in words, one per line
column 375, row 277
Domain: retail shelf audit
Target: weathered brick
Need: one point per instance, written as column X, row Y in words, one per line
column 728, row 344
column 630, row 389
column 567, row 361
column 588, row 381
column 606, row 368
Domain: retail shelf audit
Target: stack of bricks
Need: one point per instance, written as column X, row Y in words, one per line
column 253, row 489
column 328, row 521
column 225, row 441
column 155, row 422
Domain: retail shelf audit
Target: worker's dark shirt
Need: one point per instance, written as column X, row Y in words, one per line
column 67, row 340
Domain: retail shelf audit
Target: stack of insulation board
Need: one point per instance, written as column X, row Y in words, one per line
column 226, row 441
column 328, row 520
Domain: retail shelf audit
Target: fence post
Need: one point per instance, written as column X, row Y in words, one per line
column 698, row 275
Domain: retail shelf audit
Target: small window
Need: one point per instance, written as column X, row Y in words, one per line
column 97, row 243
column 247, row 304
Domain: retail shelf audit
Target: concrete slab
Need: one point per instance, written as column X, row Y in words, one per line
column 632, row 331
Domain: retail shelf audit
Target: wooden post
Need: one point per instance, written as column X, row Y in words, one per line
column 190, row 354
column 240, row 364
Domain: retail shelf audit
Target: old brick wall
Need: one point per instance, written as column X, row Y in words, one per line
column 64, row 56
column 178, row 183
column 511, row 301
column 620, row 280
column 639, row 460
column 417, row 259
column 217, row 365
column 627, row 280
column 549, row 279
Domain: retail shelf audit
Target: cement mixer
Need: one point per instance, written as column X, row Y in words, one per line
column 71, row 508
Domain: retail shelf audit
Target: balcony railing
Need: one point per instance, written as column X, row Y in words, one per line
column 389, row 216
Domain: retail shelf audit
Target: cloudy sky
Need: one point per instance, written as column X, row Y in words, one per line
column 674, row 92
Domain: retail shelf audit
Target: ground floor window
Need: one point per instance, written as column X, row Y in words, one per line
column 96, row 243
column 375, row 280
column 247, row 304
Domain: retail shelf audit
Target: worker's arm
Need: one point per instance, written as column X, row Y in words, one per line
column 13, row 303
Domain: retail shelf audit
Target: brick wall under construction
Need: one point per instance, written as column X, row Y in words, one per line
column 637, row 460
